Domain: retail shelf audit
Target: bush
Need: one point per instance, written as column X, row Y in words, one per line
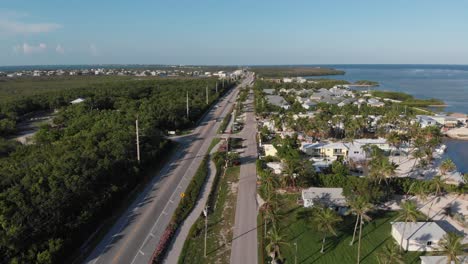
column 185, row 207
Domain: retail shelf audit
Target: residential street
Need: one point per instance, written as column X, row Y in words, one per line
column 244, row 244
column 134, row 237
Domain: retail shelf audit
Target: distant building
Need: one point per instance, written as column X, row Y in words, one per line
column 77, row 101
column 425, row 121
column 419, row 236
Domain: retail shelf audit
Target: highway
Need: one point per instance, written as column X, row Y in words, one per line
column 244, row 244
column 135, row 235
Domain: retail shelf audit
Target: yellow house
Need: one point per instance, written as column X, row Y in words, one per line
column 270, row 150
column 329, row 150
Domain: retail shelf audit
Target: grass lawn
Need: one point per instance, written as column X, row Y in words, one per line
column 220, row 224
column 337, row 250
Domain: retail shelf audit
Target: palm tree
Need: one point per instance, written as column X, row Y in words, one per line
column 452, row 246
column 394, row 140
column 408, row 213
column 358, row 206
column 325, row 220
column 362, row 207
column 390, row 255
column 437, row 185
column 446, row 166
column 275, row 241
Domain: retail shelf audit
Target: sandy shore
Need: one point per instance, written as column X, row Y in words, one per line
column 458, row 133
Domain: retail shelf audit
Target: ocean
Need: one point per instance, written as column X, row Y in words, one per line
column 446, row 82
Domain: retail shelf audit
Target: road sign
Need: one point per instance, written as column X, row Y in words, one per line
column 182, row 195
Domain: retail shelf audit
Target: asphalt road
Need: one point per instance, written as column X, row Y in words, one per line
column 135, row 235
column 244, row 244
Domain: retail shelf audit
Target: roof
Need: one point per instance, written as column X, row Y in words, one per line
column 269, row 91
column 77, row 101
column 276, row 100
column 441, row 259
column 327, row 196
column 275, row 165
column 365, row 141
column 420, row 230
column 336, row 145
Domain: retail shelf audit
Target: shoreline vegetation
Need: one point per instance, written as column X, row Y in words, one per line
column 294, row 71
column 409, row 100
column 366, row 83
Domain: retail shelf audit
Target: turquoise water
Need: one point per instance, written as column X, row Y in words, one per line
column 446, row 82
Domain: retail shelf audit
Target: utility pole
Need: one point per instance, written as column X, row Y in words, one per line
column 216, row 86
column 207, row 94
column 187, row 107
column 205, row 212
column 137, row 140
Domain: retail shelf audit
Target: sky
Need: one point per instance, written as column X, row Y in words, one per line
column 239, row 32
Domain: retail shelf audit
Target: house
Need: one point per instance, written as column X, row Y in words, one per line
column 287, row 80
column 441, row 259
column 269, row 91
column 321, row 163
column 462, row 118
column 308, row 104
column 329, row 197
column 276, row 167
column 425, row 121
column 278, row 101
column 446, row 121
column 270, row 150
column 77, row 101
column 322, row 149
column 418, row 236
column 374, row 102
column 357, row 148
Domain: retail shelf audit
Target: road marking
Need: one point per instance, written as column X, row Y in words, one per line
column 171, row 201
column 166, row 169
column 141, row 252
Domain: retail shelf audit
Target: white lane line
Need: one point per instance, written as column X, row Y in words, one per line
column 178, row 187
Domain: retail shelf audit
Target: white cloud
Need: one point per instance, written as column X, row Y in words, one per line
column 30, row 49
column 10, row 24
column 59, row 49
column 93, row 49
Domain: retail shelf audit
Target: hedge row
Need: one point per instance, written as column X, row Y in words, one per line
column 184, row 208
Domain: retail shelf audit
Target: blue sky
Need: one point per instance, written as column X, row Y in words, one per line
column 233, row 32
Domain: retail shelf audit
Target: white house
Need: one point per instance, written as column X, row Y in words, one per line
column 441, row 259
column 357, row 150
column 419, row 236
column 425, row 121
column 329, row 197
column 287, row 80
column 277, row 167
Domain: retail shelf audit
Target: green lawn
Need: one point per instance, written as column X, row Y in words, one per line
column 337, row 250
column 220, row 224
